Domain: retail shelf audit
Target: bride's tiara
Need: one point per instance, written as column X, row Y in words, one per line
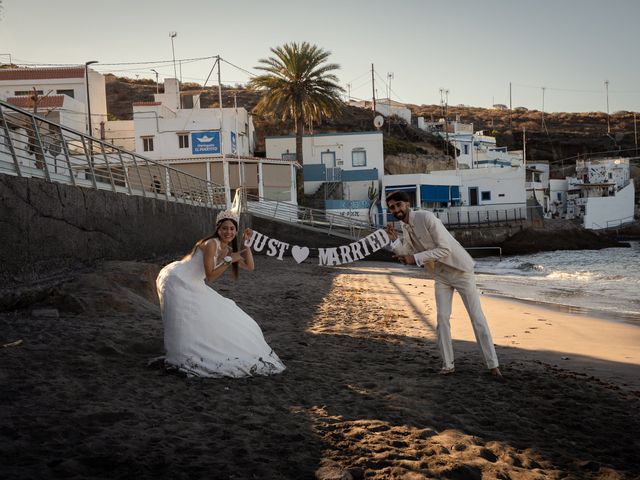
column 227, row 215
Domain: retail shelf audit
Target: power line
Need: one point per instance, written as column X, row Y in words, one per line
column 157, row 62
column 239, row 68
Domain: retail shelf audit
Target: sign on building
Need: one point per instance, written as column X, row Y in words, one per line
column 205, row 143
column 234, row 143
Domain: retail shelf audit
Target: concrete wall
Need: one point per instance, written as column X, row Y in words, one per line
column 47, row 226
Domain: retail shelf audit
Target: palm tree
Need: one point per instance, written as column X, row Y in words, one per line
column 299, row 85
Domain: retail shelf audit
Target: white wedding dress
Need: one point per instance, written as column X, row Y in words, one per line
column 206, row 334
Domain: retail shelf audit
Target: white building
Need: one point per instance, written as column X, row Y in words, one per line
column 68, row 81
column 61, row 95
column 60, row 109
column 354, row 162
column 210, row 143
column 464, row 196
column 386, row 107
column 601, row 194
column 473, row 150
column 537, row 183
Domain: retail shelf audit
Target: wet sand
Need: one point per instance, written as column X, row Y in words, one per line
column 360, row 397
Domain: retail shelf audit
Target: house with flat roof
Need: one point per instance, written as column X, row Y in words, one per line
column 342, row 171
column 215, row 144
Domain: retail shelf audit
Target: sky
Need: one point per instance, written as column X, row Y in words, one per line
column 562, row 51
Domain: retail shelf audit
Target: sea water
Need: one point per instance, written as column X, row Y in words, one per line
column 605, row 280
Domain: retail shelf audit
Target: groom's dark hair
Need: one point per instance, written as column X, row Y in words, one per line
column 398, row 196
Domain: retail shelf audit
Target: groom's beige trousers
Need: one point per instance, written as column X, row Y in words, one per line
column 448, row 279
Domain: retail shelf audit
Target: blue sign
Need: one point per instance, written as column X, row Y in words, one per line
column 234, row 144
column 205, row 143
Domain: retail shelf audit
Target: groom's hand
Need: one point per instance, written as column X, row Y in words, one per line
column 391, row 232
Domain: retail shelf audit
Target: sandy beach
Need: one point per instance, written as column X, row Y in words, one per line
column 361, row 397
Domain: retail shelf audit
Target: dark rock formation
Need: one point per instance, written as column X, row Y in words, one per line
column 557, row 236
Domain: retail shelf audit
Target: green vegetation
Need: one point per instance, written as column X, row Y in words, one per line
column 298, row 85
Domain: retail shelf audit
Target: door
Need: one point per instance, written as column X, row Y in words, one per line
column 473, row 196
column 328, row 159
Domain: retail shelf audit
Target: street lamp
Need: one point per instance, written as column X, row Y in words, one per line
column 157, row 85
column 606, row 86
column 173, row 35
column 86, row 79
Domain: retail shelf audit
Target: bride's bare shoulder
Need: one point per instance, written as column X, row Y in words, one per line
column 211, row 245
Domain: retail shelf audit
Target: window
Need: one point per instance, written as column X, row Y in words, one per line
column 147, row 144
column 22, row 93
column 328, row 158
column 359, row 158
column 289, row 157
column 68, row 93
column 183, row 140
column 187, row 101
column 559, row 196
column 466, row 149
column 610, row 175
column 485, row 196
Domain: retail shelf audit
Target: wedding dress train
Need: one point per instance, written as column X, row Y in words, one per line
column 206, row 334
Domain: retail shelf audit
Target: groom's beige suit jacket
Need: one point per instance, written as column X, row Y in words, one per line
column 427, row 239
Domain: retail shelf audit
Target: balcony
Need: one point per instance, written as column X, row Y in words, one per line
column 320, row 173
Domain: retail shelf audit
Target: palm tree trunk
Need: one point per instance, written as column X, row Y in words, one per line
column 300, row 172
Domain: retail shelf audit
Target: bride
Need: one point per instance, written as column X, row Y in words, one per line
column 206, row 334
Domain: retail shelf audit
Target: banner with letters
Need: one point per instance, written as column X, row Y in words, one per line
column 330, row 256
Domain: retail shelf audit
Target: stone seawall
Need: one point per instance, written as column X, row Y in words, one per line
column 46, row 226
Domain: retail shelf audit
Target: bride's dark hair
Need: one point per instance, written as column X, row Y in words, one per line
column 234, row 243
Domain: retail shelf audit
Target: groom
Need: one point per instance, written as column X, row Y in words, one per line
column 426, row 242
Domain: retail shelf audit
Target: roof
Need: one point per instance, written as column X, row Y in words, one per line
column 50, row 101
column 41, row 73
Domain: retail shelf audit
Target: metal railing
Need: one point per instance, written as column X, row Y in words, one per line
column 311, row 218
column 483, row 217
column 32, row 146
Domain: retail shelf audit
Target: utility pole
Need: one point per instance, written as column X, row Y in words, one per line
column 524, row 146
column 390, row 77
column 635, row 131
column 510, row 105
column 542, row 121
column 373, row 87
column 348, row 91
column 220, row 101
column 157, row 85
column 446, row 117
column 606, row 86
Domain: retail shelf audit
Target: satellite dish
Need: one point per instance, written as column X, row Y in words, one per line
column 378, row 121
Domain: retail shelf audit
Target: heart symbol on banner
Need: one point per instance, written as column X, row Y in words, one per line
column 299, row 253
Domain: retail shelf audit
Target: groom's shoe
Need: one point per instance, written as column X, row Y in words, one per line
column 446, row 371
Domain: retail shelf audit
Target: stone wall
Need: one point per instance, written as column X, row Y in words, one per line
column 48, row 226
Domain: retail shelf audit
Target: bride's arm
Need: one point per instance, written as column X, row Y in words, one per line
column 246, row 258
column 210, row 251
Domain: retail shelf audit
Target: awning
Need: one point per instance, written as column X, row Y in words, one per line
column 439, row 193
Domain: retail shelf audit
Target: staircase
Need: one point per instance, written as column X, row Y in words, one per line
column 32, row 146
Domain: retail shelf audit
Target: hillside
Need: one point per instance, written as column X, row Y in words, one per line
column 563, row 136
